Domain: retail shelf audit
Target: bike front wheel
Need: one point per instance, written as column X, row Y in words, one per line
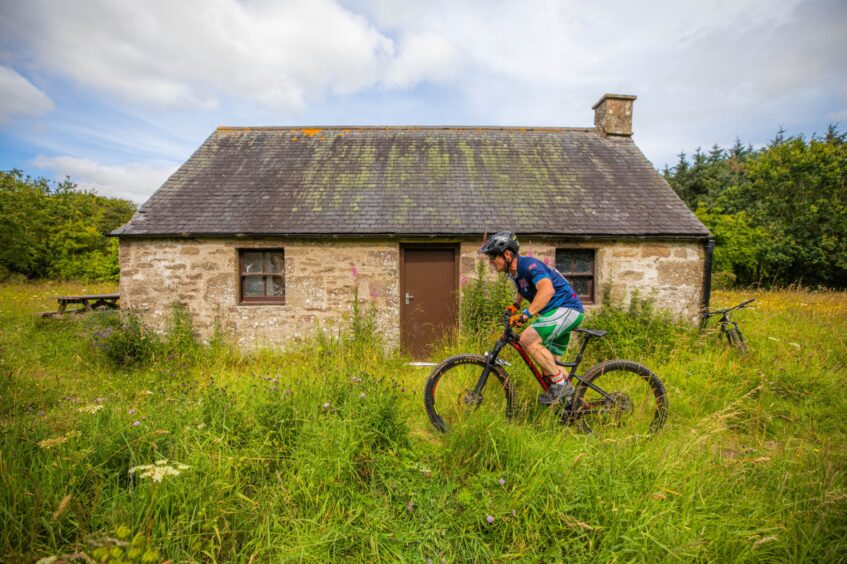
column 449, row 395
column 629, row 400
column 736, row 340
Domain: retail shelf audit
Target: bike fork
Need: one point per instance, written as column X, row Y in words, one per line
column 483, row 378
column 490, row 362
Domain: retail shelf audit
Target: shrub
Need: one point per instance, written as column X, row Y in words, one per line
column 483, row 301
column 125, row 341
column 637, row 329
column 180, row 343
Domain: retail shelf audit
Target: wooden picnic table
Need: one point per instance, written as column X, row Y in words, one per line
column 89, row 303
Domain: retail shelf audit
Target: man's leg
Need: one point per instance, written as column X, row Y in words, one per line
column 531, row 342
column 547, row 337
column 559, row 386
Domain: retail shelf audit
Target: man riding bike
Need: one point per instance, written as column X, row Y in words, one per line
column 551, row 298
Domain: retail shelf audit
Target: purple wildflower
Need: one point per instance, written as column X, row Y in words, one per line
column 136, row 423
column 490, row 519
column 502, row 481
column 132, row 411
column 362, row 395
column 326, row 405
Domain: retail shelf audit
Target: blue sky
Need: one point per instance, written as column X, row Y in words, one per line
column 117, row 94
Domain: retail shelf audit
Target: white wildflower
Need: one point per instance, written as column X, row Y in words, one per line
column 764, row 540
column 50, row 443
column 93, row 408
column 159, row 470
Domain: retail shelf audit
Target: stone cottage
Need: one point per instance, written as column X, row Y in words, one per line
column 269, row 231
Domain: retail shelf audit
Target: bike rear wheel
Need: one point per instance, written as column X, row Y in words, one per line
column 635, row 402
column 449, row 393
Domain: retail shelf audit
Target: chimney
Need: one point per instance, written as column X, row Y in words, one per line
column 613, row 114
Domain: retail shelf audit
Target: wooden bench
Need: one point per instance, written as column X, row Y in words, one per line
column 89, row 303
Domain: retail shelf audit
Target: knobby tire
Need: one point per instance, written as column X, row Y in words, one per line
column 451, row 384
column 736, row 340
column 639, row 403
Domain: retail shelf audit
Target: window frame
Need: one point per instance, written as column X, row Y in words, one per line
column 591, row 276
column 264, row 299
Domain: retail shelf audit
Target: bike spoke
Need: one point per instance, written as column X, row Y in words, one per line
column 635, row 404
column 452, row 398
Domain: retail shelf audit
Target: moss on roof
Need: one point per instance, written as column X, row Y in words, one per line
column 415, row 181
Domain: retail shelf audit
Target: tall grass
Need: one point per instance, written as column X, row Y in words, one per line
column 322, row 451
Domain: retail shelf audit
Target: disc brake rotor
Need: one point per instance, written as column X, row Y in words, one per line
column 619, row 403
column 471, row 399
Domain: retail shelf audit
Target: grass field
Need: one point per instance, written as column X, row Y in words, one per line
column 323, row 452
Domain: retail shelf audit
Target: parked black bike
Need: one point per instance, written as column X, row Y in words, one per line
column 729, row 328
column 618, row 393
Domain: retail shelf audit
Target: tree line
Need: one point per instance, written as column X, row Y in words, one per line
column 778, row 213
column 55, row 230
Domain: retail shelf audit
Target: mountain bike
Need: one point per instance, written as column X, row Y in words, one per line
column 729, row 328
column 619, row 394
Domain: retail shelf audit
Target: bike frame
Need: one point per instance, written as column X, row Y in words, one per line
column 725, row 319
column 510, row 338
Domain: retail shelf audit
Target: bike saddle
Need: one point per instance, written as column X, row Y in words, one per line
column 592, row 332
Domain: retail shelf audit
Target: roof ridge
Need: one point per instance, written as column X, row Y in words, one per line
column 403, row 128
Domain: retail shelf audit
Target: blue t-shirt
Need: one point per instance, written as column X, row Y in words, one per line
column 530, row 271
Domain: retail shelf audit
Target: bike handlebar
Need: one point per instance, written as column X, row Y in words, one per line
column 727, row 310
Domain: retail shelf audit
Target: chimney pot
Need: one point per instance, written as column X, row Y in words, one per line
column 613, row 114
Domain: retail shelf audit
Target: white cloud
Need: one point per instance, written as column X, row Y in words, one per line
column 194, row 53
column 135, row 182
column 704, row 72
column 422, row 56
column 18, row 96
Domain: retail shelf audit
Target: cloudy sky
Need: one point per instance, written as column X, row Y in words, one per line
column 116, row 94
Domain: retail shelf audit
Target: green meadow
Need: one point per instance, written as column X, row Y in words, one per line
column 124, row 446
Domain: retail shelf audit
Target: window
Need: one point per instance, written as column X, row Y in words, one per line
column 262, row 275
column 577, row 265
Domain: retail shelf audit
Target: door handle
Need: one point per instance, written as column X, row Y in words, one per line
column 409, row 297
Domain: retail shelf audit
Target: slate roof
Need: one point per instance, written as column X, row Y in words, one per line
column 413, row 181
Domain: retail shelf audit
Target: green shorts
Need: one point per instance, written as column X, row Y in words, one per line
column 555, row 328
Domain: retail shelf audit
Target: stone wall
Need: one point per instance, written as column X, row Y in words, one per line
column 669, row 272
column 320, row 283
column 321, row 279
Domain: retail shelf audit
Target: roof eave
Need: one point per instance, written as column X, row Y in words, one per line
column 412, row 235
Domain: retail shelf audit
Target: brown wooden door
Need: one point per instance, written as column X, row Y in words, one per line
column 429, row 283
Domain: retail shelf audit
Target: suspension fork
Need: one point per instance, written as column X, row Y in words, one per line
column 490, row 363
